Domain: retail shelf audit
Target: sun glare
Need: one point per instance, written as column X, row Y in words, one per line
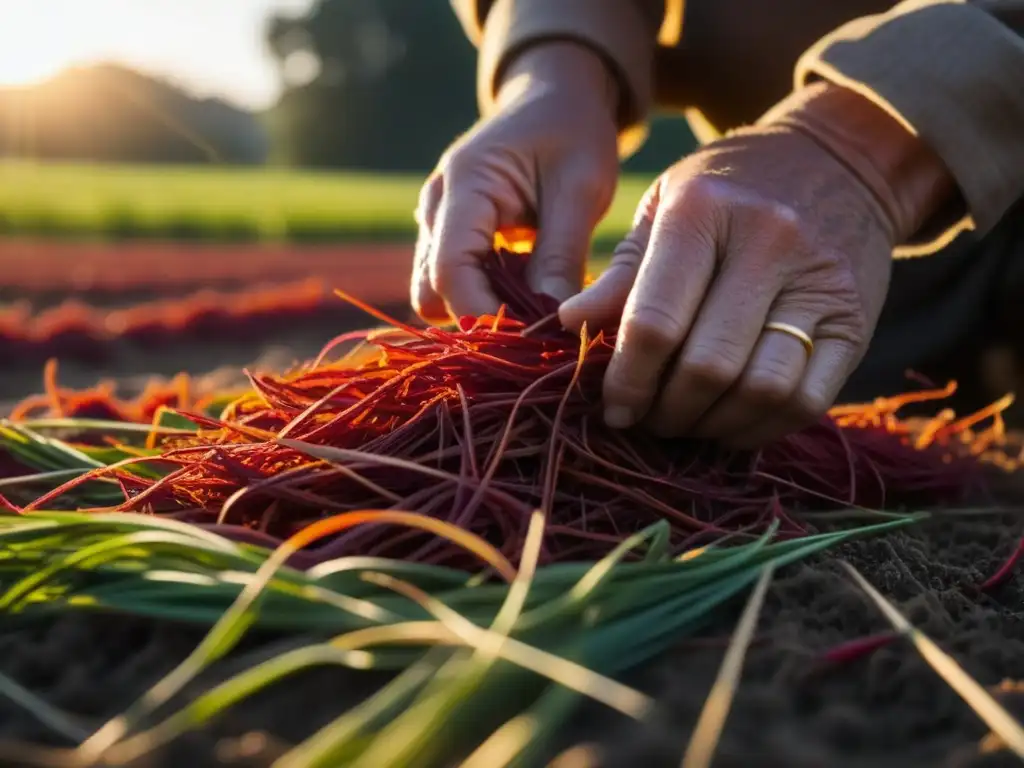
column 33, row 44
column 215, row 48
column 26, row 70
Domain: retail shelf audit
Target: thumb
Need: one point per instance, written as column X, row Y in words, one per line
column 602, row 303
column 568, row 210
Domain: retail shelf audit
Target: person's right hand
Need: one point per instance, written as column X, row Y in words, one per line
column 547, row 158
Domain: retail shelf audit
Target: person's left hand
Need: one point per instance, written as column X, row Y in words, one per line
column 764, row 226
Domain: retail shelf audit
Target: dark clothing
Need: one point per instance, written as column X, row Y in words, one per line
column 945, row 311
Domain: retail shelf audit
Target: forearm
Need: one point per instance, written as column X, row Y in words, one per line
column 622, row 33
column 575, row 70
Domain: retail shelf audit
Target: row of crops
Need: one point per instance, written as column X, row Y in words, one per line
column 87, row 304
column 75, row 330
column 224, row 205
column 108, row 272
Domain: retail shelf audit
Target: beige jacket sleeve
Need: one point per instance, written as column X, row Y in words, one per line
column 952, row 72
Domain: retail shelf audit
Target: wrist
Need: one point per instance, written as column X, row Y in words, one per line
column 573, row 70
column 907, row 178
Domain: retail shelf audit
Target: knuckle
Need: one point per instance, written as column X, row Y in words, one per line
column 460, row 160
column 458, row 164
column 556, row 263
column 648, row 205
column 445, row 161
column 785, row 216
column 775, row 227
column 651, row 327
column 704, row 187
column 771, row 388
column 833, row 276
column 836, row 263
column 711, row 192
column 848, row 325
column 711, row 368
column 629, row 252
column 692, row 227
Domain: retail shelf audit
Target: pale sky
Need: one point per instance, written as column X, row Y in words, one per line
column 215, row 47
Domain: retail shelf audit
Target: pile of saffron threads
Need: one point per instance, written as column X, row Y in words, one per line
column 480, row 425
column 101, row 401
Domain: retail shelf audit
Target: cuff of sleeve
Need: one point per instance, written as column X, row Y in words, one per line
column 616, row 30
column 950, row 73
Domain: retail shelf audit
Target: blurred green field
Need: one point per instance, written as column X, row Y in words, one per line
column 220, row 204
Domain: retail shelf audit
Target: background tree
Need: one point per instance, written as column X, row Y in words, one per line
column 372, row 84
column 386, row 85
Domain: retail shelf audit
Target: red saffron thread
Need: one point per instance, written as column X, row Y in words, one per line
column 853, row 650
column 480, row 425
column 1006, row 569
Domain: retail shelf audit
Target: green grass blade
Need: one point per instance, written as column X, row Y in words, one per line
column 709, row 726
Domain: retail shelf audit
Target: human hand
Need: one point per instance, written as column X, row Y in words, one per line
column 547, row 158
column 767, row 225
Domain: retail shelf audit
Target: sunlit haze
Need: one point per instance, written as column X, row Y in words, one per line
column 213, row 47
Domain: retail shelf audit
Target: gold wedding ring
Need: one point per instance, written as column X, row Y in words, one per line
column 796, row 333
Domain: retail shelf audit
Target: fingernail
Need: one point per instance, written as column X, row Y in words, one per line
column 618, row 417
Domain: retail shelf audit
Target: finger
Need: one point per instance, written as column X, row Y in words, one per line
column 673, row 277
column 569, row 206
column 601, row 304
column 766, row 386
column 427, row 303
column 717, row 349
column 467, row 219
column 830, row 365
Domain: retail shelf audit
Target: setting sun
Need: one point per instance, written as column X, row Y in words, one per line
column 33, row 48
column 213, row 48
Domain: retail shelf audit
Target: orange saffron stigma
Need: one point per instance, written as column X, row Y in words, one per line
column 991, row 444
